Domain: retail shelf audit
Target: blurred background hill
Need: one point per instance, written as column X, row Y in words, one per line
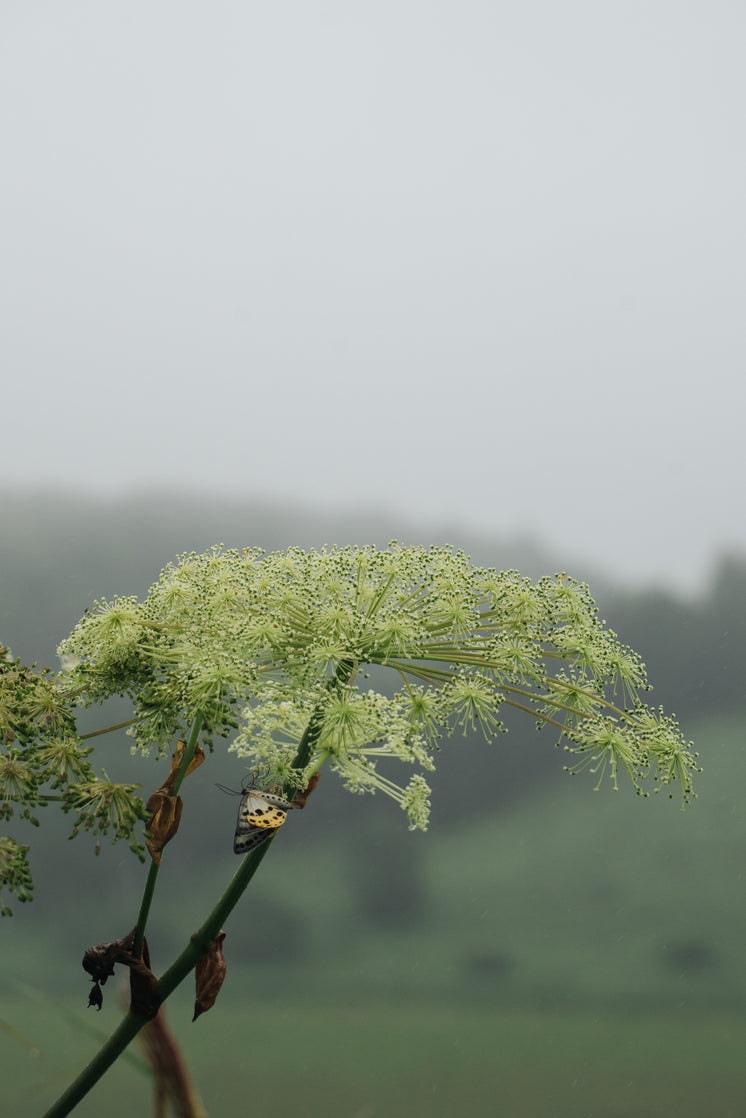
column 61, row 551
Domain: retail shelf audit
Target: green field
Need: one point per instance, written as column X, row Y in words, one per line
column 430, row 1060
column 579, row 956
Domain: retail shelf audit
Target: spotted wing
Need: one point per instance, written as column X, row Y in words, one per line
column 248, row 840
column 259, row 815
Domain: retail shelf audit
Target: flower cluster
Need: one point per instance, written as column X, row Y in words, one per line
column 43, row 759
column 276, row 647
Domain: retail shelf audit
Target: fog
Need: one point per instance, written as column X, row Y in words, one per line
column 476, row 264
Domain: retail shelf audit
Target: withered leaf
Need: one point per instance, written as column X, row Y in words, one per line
column 301, row 796
column 143, row 996
column 99, row 962
column 165, row 808
column 170, row 1074
column 96, row 996
column 165, row 815
column 196, row 761
column 209, row 975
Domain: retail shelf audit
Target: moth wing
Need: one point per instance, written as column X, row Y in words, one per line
column 247, row 840
column 269, row 820
column 250, row 804
column 271, row 798
column 259, row 814
column 262, row 809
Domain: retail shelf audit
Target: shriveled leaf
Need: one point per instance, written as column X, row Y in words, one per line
column 209, row 975
column 165, row 816
column 172, row 1082
column 165, row 808
column 196, row 761
column 301, row 796
column 99, row 962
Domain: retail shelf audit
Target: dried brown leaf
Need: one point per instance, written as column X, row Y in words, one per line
column 165, row 808
column 172, row 1082
column 165, row 815
column 301, row 796
column 209, row 975
column 99, row 962
column 196, row 761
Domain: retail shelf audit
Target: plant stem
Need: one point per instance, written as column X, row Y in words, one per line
column 201, row 939
column 131, row 1024
column 199, row 942
column 108, row 729
column 341, row 677
column 150, row 881
column 128, row 1028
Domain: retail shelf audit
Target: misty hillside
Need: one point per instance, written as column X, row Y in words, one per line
column 59, row 552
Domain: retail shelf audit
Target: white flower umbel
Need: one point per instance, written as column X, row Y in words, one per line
column 273, row 646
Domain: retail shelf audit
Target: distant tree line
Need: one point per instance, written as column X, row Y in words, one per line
column 694, row 650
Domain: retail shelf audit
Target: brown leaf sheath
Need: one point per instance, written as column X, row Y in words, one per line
column 209, row 975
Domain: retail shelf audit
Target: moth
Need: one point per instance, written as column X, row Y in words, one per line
column 259, row 816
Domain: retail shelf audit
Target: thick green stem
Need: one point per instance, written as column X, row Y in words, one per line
column 131, row 1024
column 101, row 1062
column 201, row 939
column 341, row 677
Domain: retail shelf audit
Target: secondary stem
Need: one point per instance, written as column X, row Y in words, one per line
column 150, row 882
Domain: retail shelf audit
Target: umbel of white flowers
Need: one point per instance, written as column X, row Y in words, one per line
column 274, row 646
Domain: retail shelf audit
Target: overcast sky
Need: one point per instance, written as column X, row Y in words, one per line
column 477, row 260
